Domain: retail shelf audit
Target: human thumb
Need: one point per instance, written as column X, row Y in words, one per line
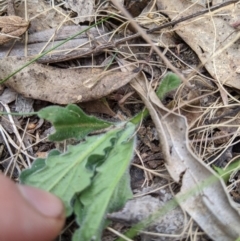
column 28, row 213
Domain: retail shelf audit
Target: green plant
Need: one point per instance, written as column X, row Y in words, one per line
column 225, row 173
column 97, row 168
column 91, row 178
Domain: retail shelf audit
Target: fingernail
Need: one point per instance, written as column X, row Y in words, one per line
column 44, row 202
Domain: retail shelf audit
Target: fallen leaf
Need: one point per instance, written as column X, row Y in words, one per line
column 151, row 18
column 12, row 27
column 136, row 7
column 43, row 14
column 85, row 9
column 98, row 106
column 62, row 86
column 203, row 33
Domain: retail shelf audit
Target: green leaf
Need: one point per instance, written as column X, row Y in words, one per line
column 38, row 164
column 225, row 173
column 78, row 211
column 109, row 189
column 170, row 82
column 71, row 172
column 122, row 193
column 71, row 122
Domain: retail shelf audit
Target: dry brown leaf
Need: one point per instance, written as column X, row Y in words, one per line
column 42, row 14
column 135, row 7
column 4, row 7
column 98, row 106
column 61, row 86
column 12, row 27
column 211, row 206
column 150, row 18
column 206, row 35
column 84, row 9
